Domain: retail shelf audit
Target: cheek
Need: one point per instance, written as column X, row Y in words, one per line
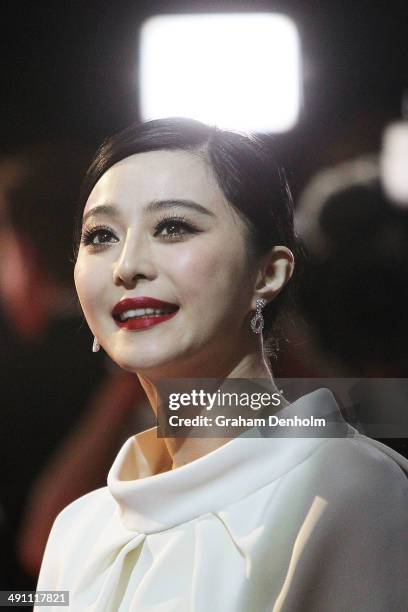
column 192, row 270
column 196, row 265
column 89, row 285
column 209, row 275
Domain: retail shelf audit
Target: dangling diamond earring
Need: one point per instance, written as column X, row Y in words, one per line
column 257, row 321
column 96, row 346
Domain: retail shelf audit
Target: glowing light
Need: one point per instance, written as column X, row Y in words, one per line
column 394, row 162
column 238, row 71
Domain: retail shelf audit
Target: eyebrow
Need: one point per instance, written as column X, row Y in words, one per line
column 103, row 209
column 154, row 206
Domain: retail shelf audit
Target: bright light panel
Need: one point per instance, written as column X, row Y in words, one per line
column 236, row 71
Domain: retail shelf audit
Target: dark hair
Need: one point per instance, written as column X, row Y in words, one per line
column 245, row 169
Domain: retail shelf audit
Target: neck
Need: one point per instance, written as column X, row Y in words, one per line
column 185, row 450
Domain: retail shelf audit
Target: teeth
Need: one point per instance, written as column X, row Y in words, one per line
column 140, row 312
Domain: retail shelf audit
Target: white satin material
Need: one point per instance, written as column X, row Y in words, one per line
column 259, row 524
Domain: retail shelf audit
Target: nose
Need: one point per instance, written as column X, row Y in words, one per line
column 134, row 262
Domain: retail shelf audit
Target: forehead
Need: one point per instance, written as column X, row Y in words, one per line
column 157, row 175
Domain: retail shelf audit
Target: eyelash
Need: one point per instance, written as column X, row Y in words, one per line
column 180, row 221
column 89, row 234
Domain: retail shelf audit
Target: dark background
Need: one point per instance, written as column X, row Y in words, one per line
column 70, row 72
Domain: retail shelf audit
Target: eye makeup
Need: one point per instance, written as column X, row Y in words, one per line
column 179, row 224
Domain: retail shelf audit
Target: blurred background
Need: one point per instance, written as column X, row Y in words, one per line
column 72, row 75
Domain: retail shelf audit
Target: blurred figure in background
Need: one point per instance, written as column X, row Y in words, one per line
column 51, row 382
column 354, row 295
column 357, row 244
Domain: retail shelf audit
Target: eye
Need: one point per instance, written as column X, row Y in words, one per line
column 97, row 236
column 174, row 227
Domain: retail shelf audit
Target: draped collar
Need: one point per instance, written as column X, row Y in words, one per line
column 151, row 497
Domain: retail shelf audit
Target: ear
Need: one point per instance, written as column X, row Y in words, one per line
column 275, row 271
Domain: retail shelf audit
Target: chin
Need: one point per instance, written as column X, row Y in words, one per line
column 131, row 360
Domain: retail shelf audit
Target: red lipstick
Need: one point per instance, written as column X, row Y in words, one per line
column 138, row 320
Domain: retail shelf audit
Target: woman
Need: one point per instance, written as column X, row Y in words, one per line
column 195, row 224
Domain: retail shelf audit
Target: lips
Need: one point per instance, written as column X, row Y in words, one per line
column 136, row 322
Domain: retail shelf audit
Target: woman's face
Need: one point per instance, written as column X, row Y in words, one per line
column 165, row 232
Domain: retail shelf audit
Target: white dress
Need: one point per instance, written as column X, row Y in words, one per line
column 259, row 524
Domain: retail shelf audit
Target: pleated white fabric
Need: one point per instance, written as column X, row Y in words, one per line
column 260, row 524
